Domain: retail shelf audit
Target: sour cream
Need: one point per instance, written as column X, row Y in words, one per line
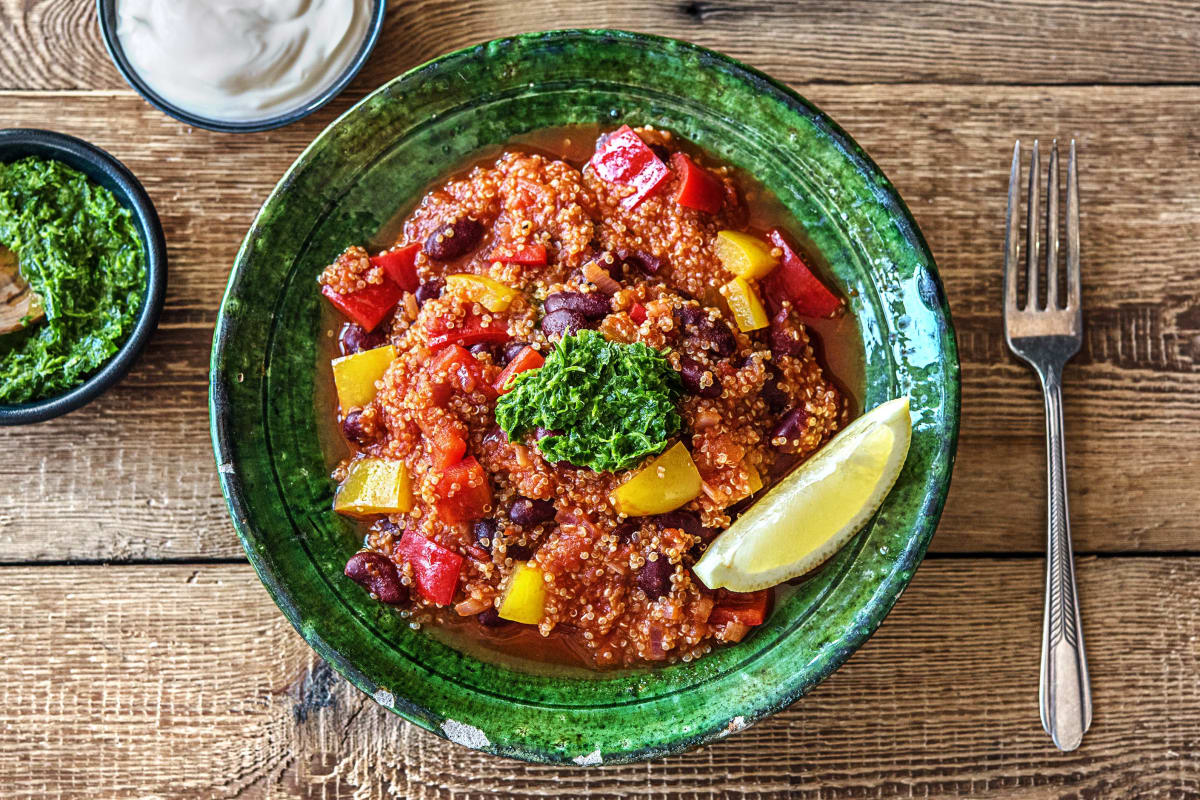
column 240, row 60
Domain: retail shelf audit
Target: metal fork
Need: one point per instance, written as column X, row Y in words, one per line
column 1046, row 335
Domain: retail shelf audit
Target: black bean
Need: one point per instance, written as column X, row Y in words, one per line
column 687, row 522
column 454, row 239
column 354, row 339
column 491, row 618
column 775, row 397
column 377, row 574
column 430, row 289
column 640, row 260
column 790, row 429
column 518, row 552
column 693, row 373
column 592, row 306
column 485, row 531
column 510, row 351
column 526, row 512
column 625, row 531
column 353, row 429
column 564, row 322
column 654, row 578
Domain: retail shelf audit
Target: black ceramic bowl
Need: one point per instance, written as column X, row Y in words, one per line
column 106, row 171
column 107, row 10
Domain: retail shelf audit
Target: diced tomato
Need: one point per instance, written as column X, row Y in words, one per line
column 445, row 437
column 463, row 491
column 400, row 264
column 531, row 254
column 809, row 296
column 525, row 360
column 468, row 331
column 637, row 313
column 455, row 365
column 367, row 306
column 746, row 608
column 623, row 158
column 435, row 568
column 698, row 188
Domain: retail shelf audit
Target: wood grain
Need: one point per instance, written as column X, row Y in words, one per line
column 131, row 476
column 182, row 682
column 55, row 44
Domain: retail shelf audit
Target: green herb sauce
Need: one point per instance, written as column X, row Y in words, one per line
column 612, row 404
column 78, row 248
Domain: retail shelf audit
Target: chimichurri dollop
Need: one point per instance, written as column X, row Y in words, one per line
column 79, row 250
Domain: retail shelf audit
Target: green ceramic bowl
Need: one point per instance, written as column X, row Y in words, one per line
column 376, row 160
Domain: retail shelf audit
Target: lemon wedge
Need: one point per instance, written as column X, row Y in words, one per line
column 812, row 512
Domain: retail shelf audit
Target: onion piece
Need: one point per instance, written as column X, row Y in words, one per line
column 597, row 275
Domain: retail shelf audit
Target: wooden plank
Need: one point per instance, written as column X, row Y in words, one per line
column 110, row 688
column 131, row 477
column 55, row 44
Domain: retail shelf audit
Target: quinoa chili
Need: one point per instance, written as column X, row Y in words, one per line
column 630, row 300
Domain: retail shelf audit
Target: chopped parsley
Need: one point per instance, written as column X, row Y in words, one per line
column 609, row 404
column 78, row 249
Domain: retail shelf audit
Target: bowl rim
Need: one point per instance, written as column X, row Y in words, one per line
column 770, row 703
column 95, row 163
column 106, row 13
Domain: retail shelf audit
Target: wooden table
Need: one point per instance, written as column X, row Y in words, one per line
column 143, row 658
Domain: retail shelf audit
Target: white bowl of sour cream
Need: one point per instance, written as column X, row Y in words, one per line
column 239, row 65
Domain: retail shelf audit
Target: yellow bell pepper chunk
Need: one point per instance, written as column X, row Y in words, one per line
column 663, row 485
column 525, row 598
column 744, row 255
column 743, row 301
column 753, row 478
column 491, row 294
column 354, row 376
column 374, row 486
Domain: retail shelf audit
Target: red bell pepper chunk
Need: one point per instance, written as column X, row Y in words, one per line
column 530, row 254
column 623, row 158
column 637, row 313
column 809, row 296
column 400, row 264
column 367, row 306
column 445, row 437
column 470, row 330
column 698, row 188
column 435, row 568
column 455, row 365
column 524, row 361
column 748, row 608
column 463, row 491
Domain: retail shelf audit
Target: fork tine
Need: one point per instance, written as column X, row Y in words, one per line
column 1010, row 233
column 1074, row 301
column 1031, row 245
column 1052, row 231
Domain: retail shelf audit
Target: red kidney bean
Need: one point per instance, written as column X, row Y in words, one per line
column 430, row 289
column 518, row 552
column 687, row 522
column 775, row 398
column 485, row 531
column 784, row 338
column 491, row 618
column 716, row 335
column 692, row 373
column 527, row 513
column 592, row 306
column 480, row 349
column 353, row 429
column 654, row 578
column 454, row 239
column 564, row 322
column 511, row 350
column 640, row 260
column 625, row 531
column 790, row 429
column 354, row 339
column 377, row 574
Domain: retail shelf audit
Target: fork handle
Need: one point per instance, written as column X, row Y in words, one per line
column 1064, row 694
